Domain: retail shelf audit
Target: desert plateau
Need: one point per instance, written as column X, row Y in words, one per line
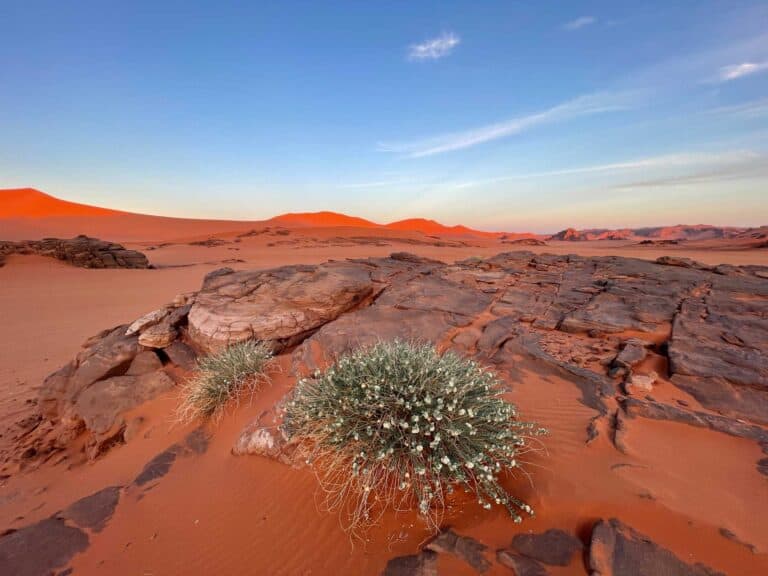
column 384, row 289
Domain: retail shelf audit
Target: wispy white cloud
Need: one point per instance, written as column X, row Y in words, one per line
column 740, row 160
column 736, row 71
column 581, row 106
column 755, row 166
column 751, row 109
column 434, row 48
column 579, row 22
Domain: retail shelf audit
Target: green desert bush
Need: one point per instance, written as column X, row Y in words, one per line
column 223, row 376
column 399, row 425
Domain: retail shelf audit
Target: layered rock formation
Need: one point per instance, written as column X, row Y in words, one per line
column 80, row 251
column 595, row 319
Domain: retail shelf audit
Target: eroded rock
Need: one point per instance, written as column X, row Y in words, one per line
column 81, row 251
column 521, row 565
column 276, row 305
column 554, row 546
column 421, row 564
column 40, row 548
column 617, row 549
column 560, row 311
column 467, row 549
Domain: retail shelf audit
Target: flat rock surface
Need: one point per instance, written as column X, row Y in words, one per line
column 618, row 550
column 569, row 311
column 554, row 547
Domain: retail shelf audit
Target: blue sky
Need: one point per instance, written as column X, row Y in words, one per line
column 499, row 115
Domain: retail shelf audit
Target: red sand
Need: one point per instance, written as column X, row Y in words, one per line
column 31, row 203
column 219, row 514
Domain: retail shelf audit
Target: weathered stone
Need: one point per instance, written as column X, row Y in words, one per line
column 79, row 251
column 521, row 565
column 277, row 305
column 40, row 548
column 556, row 310
column 181, row 355
column 640, row 383
column 463, row 547
column 617, row 549
column 158, row 336
column 631, row 355
column 421, row 564
column 102, row 402
column 681, row 262
column 719, row 348
column 94, row 511
column 158, row 467
column 259, row 440
column 107, row 356
column 143, row 363
column 146, row 321
column 554, row 547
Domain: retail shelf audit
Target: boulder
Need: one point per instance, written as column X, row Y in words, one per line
column 640, row 383
column 109, row 353
column 631, row 355
column 259, row 440
column 276, row 305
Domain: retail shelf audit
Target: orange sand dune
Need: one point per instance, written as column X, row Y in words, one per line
column 432, row 227
column 322, row 219
column 28, row 214
column 31, row 203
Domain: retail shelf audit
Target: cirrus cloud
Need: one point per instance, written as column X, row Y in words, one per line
column 434, row 48
column 579, row 22
column 736, row 71
column 582, row 106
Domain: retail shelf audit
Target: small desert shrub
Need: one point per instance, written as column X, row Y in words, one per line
column 222, row 376
column 399, row 425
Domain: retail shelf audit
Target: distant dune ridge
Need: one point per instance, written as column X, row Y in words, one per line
column 31, row 203
column 26, row 213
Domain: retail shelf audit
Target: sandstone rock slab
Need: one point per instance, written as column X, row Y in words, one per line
column 617, row 549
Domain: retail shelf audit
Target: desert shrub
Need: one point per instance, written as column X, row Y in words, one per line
column 397, row 424
column 223, row 376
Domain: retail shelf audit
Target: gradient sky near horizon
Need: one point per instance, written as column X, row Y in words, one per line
column 498, row 115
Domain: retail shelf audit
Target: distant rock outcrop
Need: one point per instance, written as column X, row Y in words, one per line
column 80, row 251
column 656, row 234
